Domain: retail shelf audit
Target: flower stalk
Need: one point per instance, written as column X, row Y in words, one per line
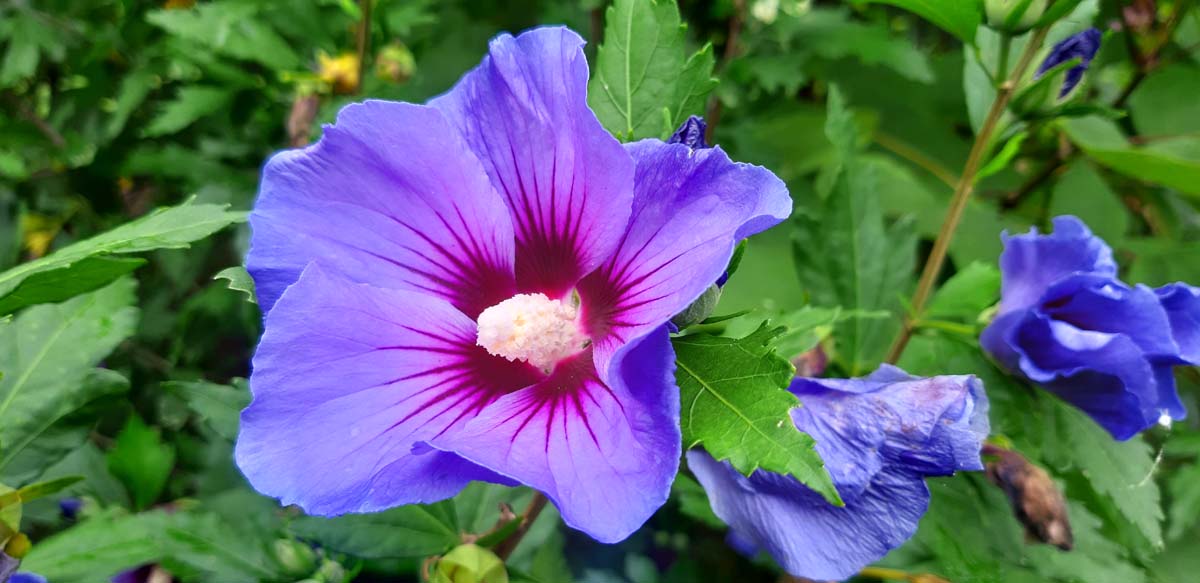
column 962, row 193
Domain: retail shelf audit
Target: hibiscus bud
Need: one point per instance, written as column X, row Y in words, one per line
column 18, row 546
column 470, row 564
column 1014, row 16
column 691, row 133
column 1034, row 497
column 1054, row 83
column 395, row 63
column 331, row 572
column 700, row 309
column 296, row 557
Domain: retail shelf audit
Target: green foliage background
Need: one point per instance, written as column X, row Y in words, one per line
column 126, row 331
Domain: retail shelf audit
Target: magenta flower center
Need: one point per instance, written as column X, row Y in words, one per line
column 532, row 328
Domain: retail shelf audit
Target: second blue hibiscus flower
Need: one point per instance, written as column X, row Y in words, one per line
column 1068, row 324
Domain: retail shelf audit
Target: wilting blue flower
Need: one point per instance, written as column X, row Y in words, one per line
column 1081, row 46
column 478, row 289
column 879, row 436
column 1068, row 324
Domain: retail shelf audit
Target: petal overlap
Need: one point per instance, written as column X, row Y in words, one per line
column 690, row 209
column 567, row 182
column 605, row 453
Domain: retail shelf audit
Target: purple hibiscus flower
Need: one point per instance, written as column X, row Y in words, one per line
column 1082, row 46
column 1068, row 324
column 478, row 289
column 880, row 436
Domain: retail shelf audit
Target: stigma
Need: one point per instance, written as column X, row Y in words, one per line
column 531, row 328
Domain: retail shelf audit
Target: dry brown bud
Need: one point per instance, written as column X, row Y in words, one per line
column 1035, row 499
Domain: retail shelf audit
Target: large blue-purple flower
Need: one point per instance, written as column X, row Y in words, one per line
column 1068, row 324
column 478, row 289
column 1082, row 46
column 879, row 436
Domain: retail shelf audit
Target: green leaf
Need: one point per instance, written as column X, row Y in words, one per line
column 167, row 228
column 958, row 17
column 38, row 490
column 218, row 405
column 1174, row 162
column 189, row 105
column 845, row 255
column 142, row 461
column 56, row 285
column 970, row 291
column 219, row 550
column 56, row 435
column 1120, row 474
column 642, row 68
column 238, row 279
column 1165, row 105
column 736, row 405
column 1083, row 193
column 98, row 548
column 46, row 354
column 408, row 531
column 229, row 28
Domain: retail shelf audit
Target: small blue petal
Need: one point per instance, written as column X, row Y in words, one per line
column 27, row 578
column 1081, row 46
column 691, row 133
column 69, row 507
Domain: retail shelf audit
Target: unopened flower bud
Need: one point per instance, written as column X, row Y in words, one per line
column 395, row 63
column 1014, row 16
column 691, row 133
column 700, row 309
column 470, row 564
column 1055, row 81
column 296, row 557
column 1035, row 499
column 18, row 546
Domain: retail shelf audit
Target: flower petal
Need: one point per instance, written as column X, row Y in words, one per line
column 348, row 380
column 568, row 183
column 807, row 536
column 879, row 436
column 1102, row 304
column 691, row 208
column 1182, row 303
column 390, row 196
column 606, row 454
column 934, row 425
column 1032, row 262
column 1104, row 374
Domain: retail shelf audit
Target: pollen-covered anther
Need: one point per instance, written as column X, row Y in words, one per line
column 532, row 328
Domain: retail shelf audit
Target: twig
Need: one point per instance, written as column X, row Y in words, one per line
column 28, row 115
column 508, row 545
column 363, row 37
column 1051, row 169
column 899, row 148
column 962, row 193
column 712, row 114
